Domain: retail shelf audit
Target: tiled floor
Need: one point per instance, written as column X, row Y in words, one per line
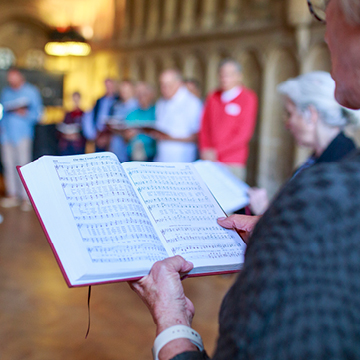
column 42, row 319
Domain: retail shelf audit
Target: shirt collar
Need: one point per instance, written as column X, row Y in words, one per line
column 229, row 95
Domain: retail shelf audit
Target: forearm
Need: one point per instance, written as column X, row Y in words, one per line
column 190, row 139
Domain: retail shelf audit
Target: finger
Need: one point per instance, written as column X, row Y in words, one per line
column 176, row 264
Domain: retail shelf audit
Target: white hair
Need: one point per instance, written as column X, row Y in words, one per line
column 317, row 89
column 351, row 10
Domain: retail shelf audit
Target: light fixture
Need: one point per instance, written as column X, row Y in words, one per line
column 67, row 42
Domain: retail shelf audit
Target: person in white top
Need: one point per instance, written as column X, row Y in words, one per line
column 178, row 115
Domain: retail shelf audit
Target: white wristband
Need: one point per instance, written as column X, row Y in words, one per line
column 176, row 332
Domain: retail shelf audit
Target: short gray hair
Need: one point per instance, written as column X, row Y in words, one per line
column 351, row 10
column 317, row 89
column 231, row 61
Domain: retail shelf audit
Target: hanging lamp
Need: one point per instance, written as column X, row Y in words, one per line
column 67, row 42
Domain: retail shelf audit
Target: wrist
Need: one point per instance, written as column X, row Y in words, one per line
column 167, row 321
column 175, row 340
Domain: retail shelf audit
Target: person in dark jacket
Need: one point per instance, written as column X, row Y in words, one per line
column 298, row 296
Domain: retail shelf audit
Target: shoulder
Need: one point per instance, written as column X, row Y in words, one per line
column 213, row 95
column 31, row 88
column 248, row 93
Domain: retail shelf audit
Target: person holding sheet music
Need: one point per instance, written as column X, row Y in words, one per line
column 141, row 147
column 126, row 104
column 22, row 109
column 297, row 296
column 71, row 138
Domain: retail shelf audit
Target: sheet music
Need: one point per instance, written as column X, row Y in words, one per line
column 181, row 206
column 111, row 220
column 230, row 192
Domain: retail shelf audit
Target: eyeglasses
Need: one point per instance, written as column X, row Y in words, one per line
column 317, row 9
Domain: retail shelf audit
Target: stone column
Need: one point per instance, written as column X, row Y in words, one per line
column 231, row 15
column 208, row 19
column 153, row 19
column 212, row 72
column 119, row 19
column 187, row 16
column 169, row 17
column 125, row 34
column 300, row 18
column 139, row 8
column 134, row 69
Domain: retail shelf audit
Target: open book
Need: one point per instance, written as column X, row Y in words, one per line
column 107, row 221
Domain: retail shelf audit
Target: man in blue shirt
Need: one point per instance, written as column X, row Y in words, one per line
column 22, row 109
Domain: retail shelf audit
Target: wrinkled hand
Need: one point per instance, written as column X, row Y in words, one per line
column 259, row 201
column 243, row 224
column 163, row 294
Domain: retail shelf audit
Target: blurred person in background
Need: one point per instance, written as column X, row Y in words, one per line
column 193, row 86
column 229, row 120
column 23, row 108
column 316, row 121
column 296, row 296
column 141, row 147
column 94, row 122
column 71, row 138
column 121, row 109
column 178, row 114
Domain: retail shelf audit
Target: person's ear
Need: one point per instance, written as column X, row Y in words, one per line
column 311, row 115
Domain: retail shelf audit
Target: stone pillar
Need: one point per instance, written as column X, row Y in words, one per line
column 169, row 17
column 150, row 72
column 134, row 69
column 212, row 72
column 300, row 18
column 125, row 34
column 208, row 19
column 187, row 16
column 119, row 19
column 139, row 8
column 153, row 19
column 231, row 15
column 276, row 144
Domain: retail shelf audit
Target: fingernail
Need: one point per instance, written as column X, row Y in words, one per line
column 221, row 218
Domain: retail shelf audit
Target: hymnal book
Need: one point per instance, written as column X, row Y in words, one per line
column 108, row 221
column 230, row 192
column 69, row 129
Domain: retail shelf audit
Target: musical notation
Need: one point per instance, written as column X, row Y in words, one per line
column 182, row 207
column 107, row 212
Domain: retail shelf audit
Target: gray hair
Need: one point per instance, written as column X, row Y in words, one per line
column 351, row 10
column 317, row 89
column 231, row 61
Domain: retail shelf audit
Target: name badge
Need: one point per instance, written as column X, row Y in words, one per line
column 232, row 109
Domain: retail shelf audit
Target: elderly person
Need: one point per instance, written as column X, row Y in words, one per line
column 178, row 114
column 229, row 120
column 316, row 120
column 298, row 294
column 141, row 147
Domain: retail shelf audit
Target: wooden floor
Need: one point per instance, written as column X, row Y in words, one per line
column 42, row 319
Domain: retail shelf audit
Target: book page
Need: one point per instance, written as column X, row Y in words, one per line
column 111, row 220
column 93, row 218
column 184, row 213
column 230, row 192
